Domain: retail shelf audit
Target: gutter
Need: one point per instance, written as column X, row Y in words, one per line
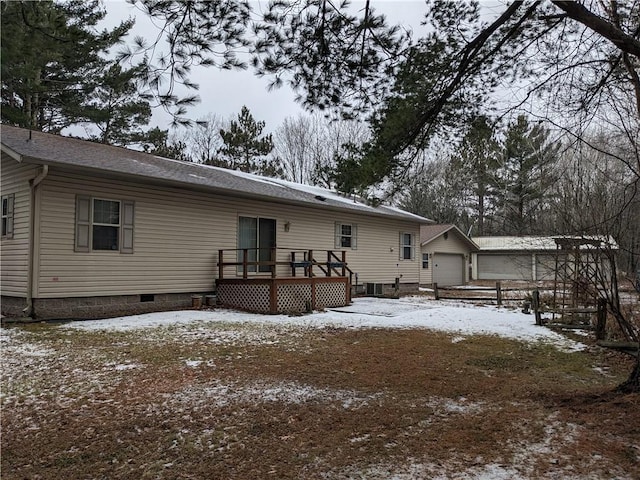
column 33, row 184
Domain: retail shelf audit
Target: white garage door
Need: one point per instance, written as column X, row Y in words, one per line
column 448, row 269
column 545, row 267
column 504, row 267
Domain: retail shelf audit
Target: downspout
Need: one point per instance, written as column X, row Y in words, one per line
column 33, row 183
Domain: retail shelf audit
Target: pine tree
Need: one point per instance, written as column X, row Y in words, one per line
column 525, row 176
column 55, row 74
column 473, row 167
column 245, row 147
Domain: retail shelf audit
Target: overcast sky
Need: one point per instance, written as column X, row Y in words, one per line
column 225, row 92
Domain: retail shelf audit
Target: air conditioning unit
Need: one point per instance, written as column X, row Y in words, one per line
column 374, row 289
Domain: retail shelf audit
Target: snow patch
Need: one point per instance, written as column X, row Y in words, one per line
column 407, row 312
column 223, row 394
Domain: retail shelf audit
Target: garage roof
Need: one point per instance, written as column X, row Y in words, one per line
column 540, row 243
column 428, row 233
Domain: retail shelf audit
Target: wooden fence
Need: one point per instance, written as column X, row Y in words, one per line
column 497, row 294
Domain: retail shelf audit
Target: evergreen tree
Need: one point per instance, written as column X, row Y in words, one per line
column 116, row 108
column 473, row 167
column 245, row 147
column 157, row 142
column 525, row 177
column 54, row 73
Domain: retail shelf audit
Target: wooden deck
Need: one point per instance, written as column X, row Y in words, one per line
column 288, row 282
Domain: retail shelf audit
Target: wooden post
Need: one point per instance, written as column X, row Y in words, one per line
column 273, row 262
column 344, row 263
column 498, row 293
column 220, row 264
column 535, row 303
column 293, row 264
column 328, row 263
column 245, row 258
column 311, row 265
column 435, row 291
column 601, row 319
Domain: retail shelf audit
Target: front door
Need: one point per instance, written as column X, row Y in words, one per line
column 258, row 235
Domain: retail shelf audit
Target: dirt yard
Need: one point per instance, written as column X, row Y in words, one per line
column 223, row 400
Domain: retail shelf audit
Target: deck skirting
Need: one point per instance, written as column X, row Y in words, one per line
column 284, row 295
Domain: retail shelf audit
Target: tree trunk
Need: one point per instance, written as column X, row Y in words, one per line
column 632, row 384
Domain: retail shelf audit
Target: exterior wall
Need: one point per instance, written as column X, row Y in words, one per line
column 453, row 244
column 104, row 307
column 15, row 251
column 515, row 265
column 504, row 266
column 177, row 234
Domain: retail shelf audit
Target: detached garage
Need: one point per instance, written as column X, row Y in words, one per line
column 514, row 258
column 446, row 252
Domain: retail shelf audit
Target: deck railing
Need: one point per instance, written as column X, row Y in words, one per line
column 251, row 260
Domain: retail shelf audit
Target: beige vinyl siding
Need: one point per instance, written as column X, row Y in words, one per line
column 177, row 234
column 453, row 244
column 15, row 251
column 376, row 258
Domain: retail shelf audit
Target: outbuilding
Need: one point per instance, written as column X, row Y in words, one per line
column 445, row 255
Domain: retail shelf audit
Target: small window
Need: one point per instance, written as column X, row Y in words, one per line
column 7, row 215
column 104, row 225
column 346, row 235
column 406, row 246
column 425, row 260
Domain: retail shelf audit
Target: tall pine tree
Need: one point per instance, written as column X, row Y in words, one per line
column 525, row 177
column 245, row 147
column 55, row 73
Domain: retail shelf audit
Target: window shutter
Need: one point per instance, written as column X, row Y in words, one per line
column 83, row 223
column 10, row 202
column 400, row 247
column 126, row 244
column 338, row 243
column 354, row 237
column 413, row 247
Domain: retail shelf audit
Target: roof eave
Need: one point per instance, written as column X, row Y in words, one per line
column 12, row 153
column 208, row 188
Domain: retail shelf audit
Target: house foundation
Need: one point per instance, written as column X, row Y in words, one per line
column 85, row 308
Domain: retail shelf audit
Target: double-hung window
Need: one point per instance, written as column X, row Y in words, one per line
column 7, row 215
column 425, row 260
column 406, row 246
column 104, row 224
column 346, row 235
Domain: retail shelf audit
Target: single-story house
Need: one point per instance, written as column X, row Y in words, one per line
column 445, row 255
column 92, row 230
column 529, row 258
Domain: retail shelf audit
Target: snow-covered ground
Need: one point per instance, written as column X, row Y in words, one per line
column 28, row 365
column 407, row 312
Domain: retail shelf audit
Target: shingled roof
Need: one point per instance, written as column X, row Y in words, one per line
column 429, row 233
column 94, row 158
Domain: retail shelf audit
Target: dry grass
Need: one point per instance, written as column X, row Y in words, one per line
column 251, row 402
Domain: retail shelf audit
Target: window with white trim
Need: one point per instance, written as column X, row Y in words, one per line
column 425, row 260
column 346, row 235
column 7, row 215
column 104, row 224
column 406, row 246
